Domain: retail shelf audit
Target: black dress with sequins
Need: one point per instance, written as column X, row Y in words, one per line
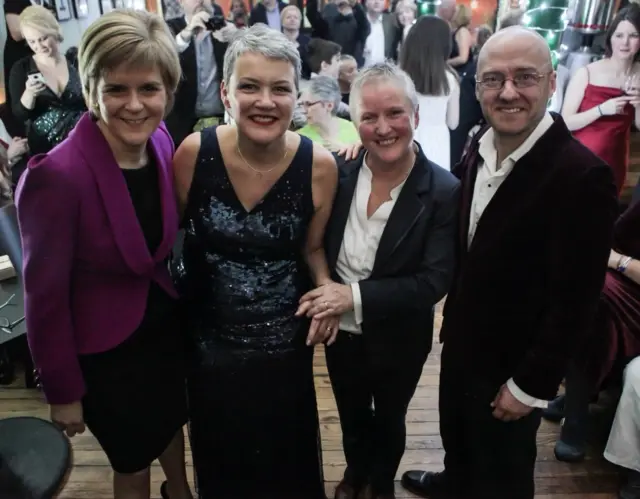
column 253, row 417
column 53, row 116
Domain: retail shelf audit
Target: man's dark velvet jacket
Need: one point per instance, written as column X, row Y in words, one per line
column 527, row 287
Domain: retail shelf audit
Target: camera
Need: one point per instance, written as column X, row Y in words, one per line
column 215, row 23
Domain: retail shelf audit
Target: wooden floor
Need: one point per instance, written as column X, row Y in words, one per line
column 593, row 479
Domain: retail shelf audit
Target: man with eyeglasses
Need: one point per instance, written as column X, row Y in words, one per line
column 535, row 236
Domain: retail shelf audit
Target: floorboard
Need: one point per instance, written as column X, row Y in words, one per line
column 593, row 479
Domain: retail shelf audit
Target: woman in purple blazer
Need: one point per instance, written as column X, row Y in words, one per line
column 98, row 219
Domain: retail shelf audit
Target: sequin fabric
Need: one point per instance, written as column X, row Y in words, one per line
column 248, row 265
column 58, row 115
column 253, row 417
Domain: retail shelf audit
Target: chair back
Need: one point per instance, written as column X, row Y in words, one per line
column 35, row 458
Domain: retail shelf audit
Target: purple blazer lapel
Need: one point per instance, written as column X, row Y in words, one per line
column 115, row 196
column 161, row 145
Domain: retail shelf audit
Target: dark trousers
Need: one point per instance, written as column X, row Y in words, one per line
column 373, row 440
column 488, row 458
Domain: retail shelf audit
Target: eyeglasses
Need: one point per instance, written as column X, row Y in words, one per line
column 496, row 81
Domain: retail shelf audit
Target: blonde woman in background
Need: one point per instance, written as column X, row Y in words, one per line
column 98, row 220
column 461, row 53
column 45, row 87
column 407, row 12
column 321, row 100
column 291, row 20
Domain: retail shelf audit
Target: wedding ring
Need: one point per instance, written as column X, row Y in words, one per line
column 328, row 330
column 326, row 305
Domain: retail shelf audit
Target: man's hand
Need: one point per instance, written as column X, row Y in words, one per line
column 196, row 24
column 508, row 408
column 225, row 34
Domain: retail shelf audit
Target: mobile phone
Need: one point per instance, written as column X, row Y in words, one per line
column 36, row 77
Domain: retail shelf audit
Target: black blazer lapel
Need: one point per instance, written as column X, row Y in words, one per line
column 408, row 208
column 468, row 180
column 341, row 207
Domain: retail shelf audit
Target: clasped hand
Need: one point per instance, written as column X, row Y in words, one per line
column 324, row 305
column 508, row 408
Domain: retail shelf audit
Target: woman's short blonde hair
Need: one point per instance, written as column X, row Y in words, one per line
column 42, row 19
column 292, row 7
column 133, row 37
column 462, row 16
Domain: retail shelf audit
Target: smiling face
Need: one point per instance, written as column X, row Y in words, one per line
column 625, row 41
column 519, row 57
column 261, row 96
column 39, row 42
column 131, row 104
column 386, row 121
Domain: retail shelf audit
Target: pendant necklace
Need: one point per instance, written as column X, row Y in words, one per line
column 258, row 172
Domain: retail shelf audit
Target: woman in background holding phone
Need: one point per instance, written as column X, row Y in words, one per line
column 45, row 87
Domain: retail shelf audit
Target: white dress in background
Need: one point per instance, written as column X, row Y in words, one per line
column 435, row 121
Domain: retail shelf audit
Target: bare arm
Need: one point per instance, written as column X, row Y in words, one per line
column 453, row 104
column 572, row 100
column 463, row 38
column 324, row 185
column 13, row 23
column 184, row 164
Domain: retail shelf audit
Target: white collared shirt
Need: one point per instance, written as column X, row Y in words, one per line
column 488, row 181
column 360, row 243
column 374, row 46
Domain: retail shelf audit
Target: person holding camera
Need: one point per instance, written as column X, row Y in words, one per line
column 202, row 36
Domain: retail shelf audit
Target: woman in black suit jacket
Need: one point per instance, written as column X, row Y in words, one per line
column 390, row 246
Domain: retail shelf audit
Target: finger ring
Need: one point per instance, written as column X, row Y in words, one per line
column 326, row 304
column 328, row 330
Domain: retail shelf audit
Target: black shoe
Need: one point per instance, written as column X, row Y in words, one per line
column 427, row 484
column 571, row 447
column 555, row 411
column 631, row 489
column 163, row 490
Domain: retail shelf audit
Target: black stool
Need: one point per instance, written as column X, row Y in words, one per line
column 35, row 458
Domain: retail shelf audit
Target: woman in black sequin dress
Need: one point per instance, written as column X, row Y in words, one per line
column 257, row 198
column 51, row 106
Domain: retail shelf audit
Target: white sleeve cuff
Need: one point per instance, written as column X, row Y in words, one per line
column 357, row 302
column 181, row 44
column 524, row 398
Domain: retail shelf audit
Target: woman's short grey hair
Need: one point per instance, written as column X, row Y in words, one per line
column 386, row 72
column 326, row 89
column 260, row 39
